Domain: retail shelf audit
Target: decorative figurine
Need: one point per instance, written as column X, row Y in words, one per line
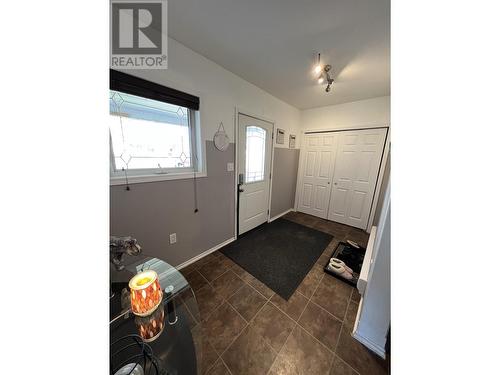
column 118, row 246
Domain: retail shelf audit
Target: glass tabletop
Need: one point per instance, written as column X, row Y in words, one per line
column 168, row 341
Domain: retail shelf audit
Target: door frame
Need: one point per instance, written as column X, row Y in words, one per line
column 377, row 193
column 241, row 111
column 383, row 163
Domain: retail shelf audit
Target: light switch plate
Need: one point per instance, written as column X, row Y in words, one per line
column 230, row 167
column 173, row 238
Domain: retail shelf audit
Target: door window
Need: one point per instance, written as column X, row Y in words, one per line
column 255, row 154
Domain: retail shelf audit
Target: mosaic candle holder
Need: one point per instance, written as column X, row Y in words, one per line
column 145, row 293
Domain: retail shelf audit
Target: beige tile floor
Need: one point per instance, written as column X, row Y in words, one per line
column 248, row 329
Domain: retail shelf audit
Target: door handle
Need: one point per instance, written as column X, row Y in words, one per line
column 240, row 190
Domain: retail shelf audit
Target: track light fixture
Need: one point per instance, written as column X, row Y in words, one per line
column 322, row 73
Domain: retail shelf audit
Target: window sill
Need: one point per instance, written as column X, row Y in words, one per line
column 121, row 180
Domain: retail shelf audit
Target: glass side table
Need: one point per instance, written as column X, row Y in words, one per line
column 166, row 342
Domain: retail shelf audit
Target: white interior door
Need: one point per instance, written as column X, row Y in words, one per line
column 318, row 159
column 357, row 165
column 254, row 171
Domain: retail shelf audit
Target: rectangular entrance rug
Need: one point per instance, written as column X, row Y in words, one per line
column 279, row 254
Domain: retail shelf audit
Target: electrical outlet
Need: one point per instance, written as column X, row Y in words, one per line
column 173, row 238
column 230, row 167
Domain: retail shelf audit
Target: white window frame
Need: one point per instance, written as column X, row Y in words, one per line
column 134, row 176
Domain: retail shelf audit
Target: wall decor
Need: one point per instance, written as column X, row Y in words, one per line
column 221, row 140
column 292, row 141
column 280, row 137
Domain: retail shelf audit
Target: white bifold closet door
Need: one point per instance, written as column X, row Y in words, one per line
column 317, row 173
column 339, row 171
column 357, row 166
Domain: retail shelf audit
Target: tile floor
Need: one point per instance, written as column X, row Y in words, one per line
column 248, row 329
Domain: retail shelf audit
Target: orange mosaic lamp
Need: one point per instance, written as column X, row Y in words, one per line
column 145, row 293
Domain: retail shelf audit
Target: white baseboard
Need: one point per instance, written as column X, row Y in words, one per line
column 205, row 253
column 281, row 214
column 377, row 349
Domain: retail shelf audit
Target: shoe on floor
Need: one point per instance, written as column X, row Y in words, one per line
column 354, row 244
column 339, row 270
column 341, row 263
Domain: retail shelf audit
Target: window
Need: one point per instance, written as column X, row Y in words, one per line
column 148, row 134
column 152, row 129
column 255, row 154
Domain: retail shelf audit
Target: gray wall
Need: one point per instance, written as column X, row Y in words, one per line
column 285, row 166
column 151, row 211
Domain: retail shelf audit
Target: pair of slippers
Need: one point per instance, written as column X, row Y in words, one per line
column 340, row 268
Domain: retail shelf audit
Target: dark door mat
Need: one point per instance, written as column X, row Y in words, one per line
column 279, row 254
column 352, row 257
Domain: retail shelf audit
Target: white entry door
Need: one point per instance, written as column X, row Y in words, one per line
column 254, row 171
column 317, row 169
column 357, row 165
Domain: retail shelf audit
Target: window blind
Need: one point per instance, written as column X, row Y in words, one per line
column 129, row 84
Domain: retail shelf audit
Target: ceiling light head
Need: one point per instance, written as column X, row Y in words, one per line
column 321, row 71
column 318, row 68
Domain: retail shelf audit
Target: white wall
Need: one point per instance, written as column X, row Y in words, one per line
column 374, row 313
column 362, row 113
column 220, row 91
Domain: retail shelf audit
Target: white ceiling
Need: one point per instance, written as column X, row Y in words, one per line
column 273, row 44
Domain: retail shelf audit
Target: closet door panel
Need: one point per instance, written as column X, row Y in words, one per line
column 357, row 164
column 317, row 173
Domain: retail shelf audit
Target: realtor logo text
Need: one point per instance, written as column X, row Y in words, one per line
column 138, row 34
